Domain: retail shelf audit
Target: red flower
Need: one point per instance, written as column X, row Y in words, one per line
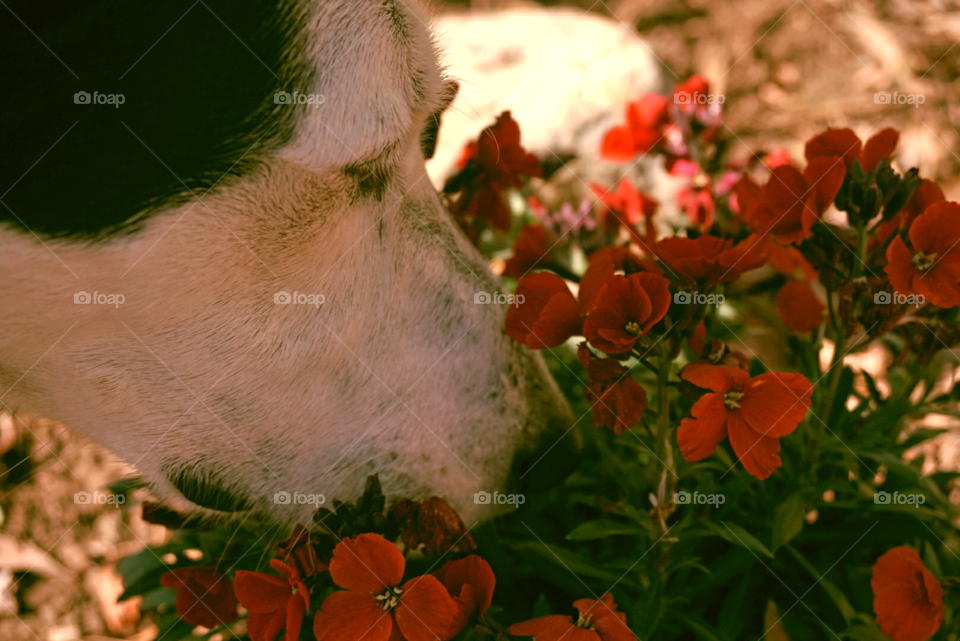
column 845, row 144
column 502, row 162
column 907, row 598
column 603, row 264
column 627, row 308
column 470, row 581
column 645, row 121
column 204, row 595
column 531, row 247
column 598, row 621
column 799, row 307
column 548, row 315
column 753, row 412
column 616, row 400
column 374, row 607
column 706, row 258
column 932, row 268
column 274, row 603
column 628, row 207
column 927, row 193
column 790, row 203
column 687, row 94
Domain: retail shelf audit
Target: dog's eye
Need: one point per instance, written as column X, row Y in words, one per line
column 428, row 136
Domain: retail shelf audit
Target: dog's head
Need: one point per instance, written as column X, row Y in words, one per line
column 298, row 310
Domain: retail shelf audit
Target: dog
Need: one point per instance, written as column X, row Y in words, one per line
column 221, row 258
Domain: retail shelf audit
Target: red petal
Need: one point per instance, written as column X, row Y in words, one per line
column 265, row 627
column 937, row 229
column 294, row 612
column 774, row 403
column 618, row 146
column 368, row 563
column 799, row 307
column 610, row 624
column 540, row 290
column 717, row 378
column 824, row 177
column 759, row 454
column 426, row 611
column 657, row 289
column 351, row 616
column 261, row 593
column 540, row 625
column 908, row 599
column 877, row 148
column 834, row 142
column 699, row 436
column 926, row 194
column 630, row 403
column 899, row 268
column 472, row 571
column 531, row 248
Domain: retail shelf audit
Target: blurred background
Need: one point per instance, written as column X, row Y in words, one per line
column 787, row 70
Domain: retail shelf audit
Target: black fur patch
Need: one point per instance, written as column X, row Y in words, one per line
column 198, row 79
column 207, row 492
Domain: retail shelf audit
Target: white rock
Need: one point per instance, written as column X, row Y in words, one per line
column 564, row 74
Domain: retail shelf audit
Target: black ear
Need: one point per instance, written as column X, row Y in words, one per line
column 428, row 137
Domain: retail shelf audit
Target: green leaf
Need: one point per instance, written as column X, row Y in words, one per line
column 541, row 606
column 787, row 520
column 601, row 529
column 735, row 534
column 573, row 562
column 647, row 611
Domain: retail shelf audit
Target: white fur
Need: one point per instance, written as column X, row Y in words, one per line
column 399, row 372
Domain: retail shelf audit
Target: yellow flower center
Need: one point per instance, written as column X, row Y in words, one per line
column 632, row 328
column 731, row 400
column 922, row 262
column 389, row 599
column 585, row 622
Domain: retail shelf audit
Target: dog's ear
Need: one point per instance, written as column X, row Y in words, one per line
column 376, row 84
column 431, row 131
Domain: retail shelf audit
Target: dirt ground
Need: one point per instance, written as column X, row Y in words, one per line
column 788, row 68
